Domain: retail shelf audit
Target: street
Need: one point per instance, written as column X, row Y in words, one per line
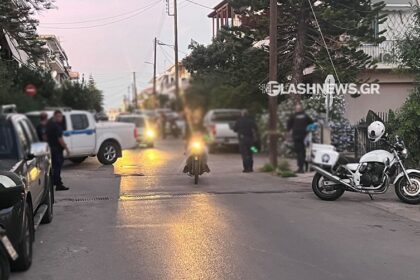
column 145, row 219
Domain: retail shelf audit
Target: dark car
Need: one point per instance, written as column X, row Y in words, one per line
column 26, row 192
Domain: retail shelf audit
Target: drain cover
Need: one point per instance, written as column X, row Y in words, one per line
column 85, row 199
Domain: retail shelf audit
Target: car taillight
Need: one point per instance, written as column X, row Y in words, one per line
column 213, row 129
column 136, row 133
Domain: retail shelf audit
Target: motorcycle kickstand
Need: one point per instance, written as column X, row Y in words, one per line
column 371, row 196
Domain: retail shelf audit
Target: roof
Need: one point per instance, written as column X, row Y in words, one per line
column 217, row 7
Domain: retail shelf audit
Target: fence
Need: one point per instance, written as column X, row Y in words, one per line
column 362, row 144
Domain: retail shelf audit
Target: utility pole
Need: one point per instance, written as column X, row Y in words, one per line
column 175, row 15
column 176, row 50
column 272, row 100
column 154, row 73
column 135, row 91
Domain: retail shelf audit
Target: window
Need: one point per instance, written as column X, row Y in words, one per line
column 79, row 121
column 29, row 131
column 7, row 146
column 138, row 122
column 22, row 138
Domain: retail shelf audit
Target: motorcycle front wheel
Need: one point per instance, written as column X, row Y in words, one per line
column 408, row 193
column 196, row 169
column 322, row 192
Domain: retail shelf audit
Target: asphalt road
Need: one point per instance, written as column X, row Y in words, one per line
column 144, row 219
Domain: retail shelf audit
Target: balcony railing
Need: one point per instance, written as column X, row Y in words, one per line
column 385, row 53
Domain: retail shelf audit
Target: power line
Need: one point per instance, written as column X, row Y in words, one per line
column 99, row 19
column 198, row 4
column 325, row 43
column 108, row 23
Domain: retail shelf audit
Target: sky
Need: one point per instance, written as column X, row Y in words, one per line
column 110, row 39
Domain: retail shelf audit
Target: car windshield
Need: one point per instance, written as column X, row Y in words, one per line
column 226, row 116
column 34, row 119
column 7, row 146
column 139, row 122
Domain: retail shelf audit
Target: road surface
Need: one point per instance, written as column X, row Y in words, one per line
column 144, row 219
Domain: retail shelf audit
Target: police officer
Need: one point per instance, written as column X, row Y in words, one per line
column 297, row 127
column 247, row 131
column 57, row 146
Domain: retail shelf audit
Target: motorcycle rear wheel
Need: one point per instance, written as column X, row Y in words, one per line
column 319, row 191
column 406, row 193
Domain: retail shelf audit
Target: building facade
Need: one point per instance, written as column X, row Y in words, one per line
column 395, row 86
column 223, row 15
column 56, row 60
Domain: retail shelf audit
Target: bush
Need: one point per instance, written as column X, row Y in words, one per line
column 406, row 124
column 268, row 167
column 286, row 173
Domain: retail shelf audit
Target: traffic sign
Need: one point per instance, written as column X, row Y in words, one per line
column 30, row 90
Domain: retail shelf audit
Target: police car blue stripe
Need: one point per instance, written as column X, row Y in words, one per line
column 79, row 132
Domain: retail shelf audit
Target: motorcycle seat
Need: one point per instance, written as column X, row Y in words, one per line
column 346, row 160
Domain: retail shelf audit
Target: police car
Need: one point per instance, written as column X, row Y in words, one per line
column 26, row 191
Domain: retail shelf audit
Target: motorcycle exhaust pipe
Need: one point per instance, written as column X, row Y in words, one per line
column 332, row 177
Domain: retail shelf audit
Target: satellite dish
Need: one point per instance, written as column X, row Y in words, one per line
column 54, row 74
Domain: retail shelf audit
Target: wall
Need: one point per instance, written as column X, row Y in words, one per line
column 395, row 88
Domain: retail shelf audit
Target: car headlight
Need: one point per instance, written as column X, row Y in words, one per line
column 150, row 134
column 404, row 153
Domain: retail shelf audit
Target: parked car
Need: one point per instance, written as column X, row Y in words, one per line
column 85, row 137
column 146, row 130
column 26, row 190
column 219, row 124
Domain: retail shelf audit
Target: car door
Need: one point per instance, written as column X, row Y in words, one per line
column 33, row 169
column 82, row 134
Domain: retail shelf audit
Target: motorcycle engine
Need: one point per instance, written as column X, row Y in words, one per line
column 372, row 174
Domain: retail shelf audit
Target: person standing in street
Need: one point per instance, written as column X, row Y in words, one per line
column 247, row 131
column 57, row 146
column 41, row 128
column 296, row 125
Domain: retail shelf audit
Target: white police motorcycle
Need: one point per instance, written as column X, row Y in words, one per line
column 372, row 175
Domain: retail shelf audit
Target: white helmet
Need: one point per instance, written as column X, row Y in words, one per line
column 375, row 131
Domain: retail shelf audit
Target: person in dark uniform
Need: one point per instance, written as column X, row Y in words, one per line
column 297, row 127
column 41, row 128
column 57, row 146
column 247, row 131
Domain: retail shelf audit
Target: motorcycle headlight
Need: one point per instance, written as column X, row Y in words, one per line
column 404, row 153
column 197, row 146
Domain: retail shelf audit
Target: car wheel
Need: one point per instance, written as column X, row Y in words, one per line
column 78, row 160
column 49, row 201
column 25, row 247
column 108, row 153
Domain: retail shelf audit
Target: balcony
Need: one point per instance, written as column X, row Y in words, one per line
column 385, row 53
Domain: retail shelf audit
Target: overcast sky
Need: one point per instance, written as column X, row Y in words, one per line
column 98, row 42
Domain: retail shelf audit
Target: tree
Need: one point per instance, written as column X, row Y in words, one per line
column 14, row 79
column 227, row 73
column 82, row 97
column 405, row 122
column 233, row 63
column 17, row 21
